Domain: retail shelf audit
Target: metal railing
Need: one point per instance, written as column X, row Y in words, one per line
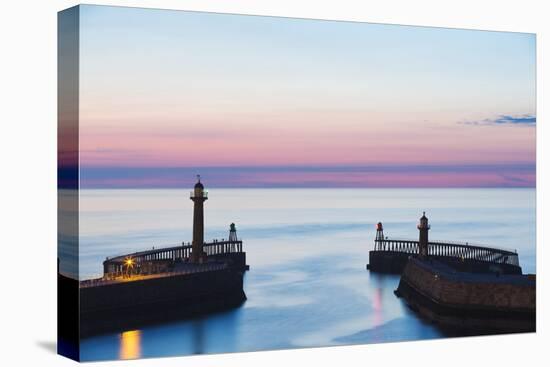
column 202, row 194
column 451, row 249
column 173, row 253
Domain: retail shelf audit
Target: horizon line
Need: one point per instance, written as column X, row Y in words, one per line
column 496, row 175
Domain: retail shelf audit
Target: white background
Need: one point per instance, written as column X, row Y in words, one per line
column 28, row 182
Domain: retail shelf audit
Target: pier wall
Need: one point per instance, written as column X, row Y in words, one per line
column 469, row 292
column 387, row 261
column 135, row 303
column 394, row 262
column 235, row 260
column 505, row 303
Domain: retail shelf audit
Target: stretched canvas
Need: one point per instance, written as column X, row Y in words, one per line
column 234, row 183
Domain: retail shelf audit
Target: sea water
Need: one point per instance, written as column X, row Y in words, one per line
column 307, row 250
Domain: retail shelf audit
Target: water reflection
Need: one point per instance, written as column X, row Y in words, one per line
column 198, row 336
column 130, row 344
column 378, row 312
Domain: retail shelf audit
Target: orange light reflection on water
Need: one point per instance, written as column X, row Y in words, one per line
column 378, row 307
column 130, row 344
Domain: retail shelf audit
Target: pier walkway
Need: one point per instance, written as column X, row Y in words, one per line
column 182, row 269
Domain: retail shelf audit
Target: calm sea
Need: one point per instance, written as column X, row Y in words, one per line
column 307, row 250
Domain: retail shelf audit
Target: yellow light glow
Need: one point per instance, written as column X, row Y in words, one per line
column 130, row 344
column 129, row 262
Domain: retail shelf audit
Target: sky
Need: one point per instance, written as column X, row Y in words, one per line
column 250, row 101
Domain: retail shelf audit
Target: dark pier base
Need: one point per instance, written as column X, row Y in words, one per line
column 469, row 304
column 236, row 260
column 394, row 262
column 455, row 321
column 134, row 304
column 387, row 262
